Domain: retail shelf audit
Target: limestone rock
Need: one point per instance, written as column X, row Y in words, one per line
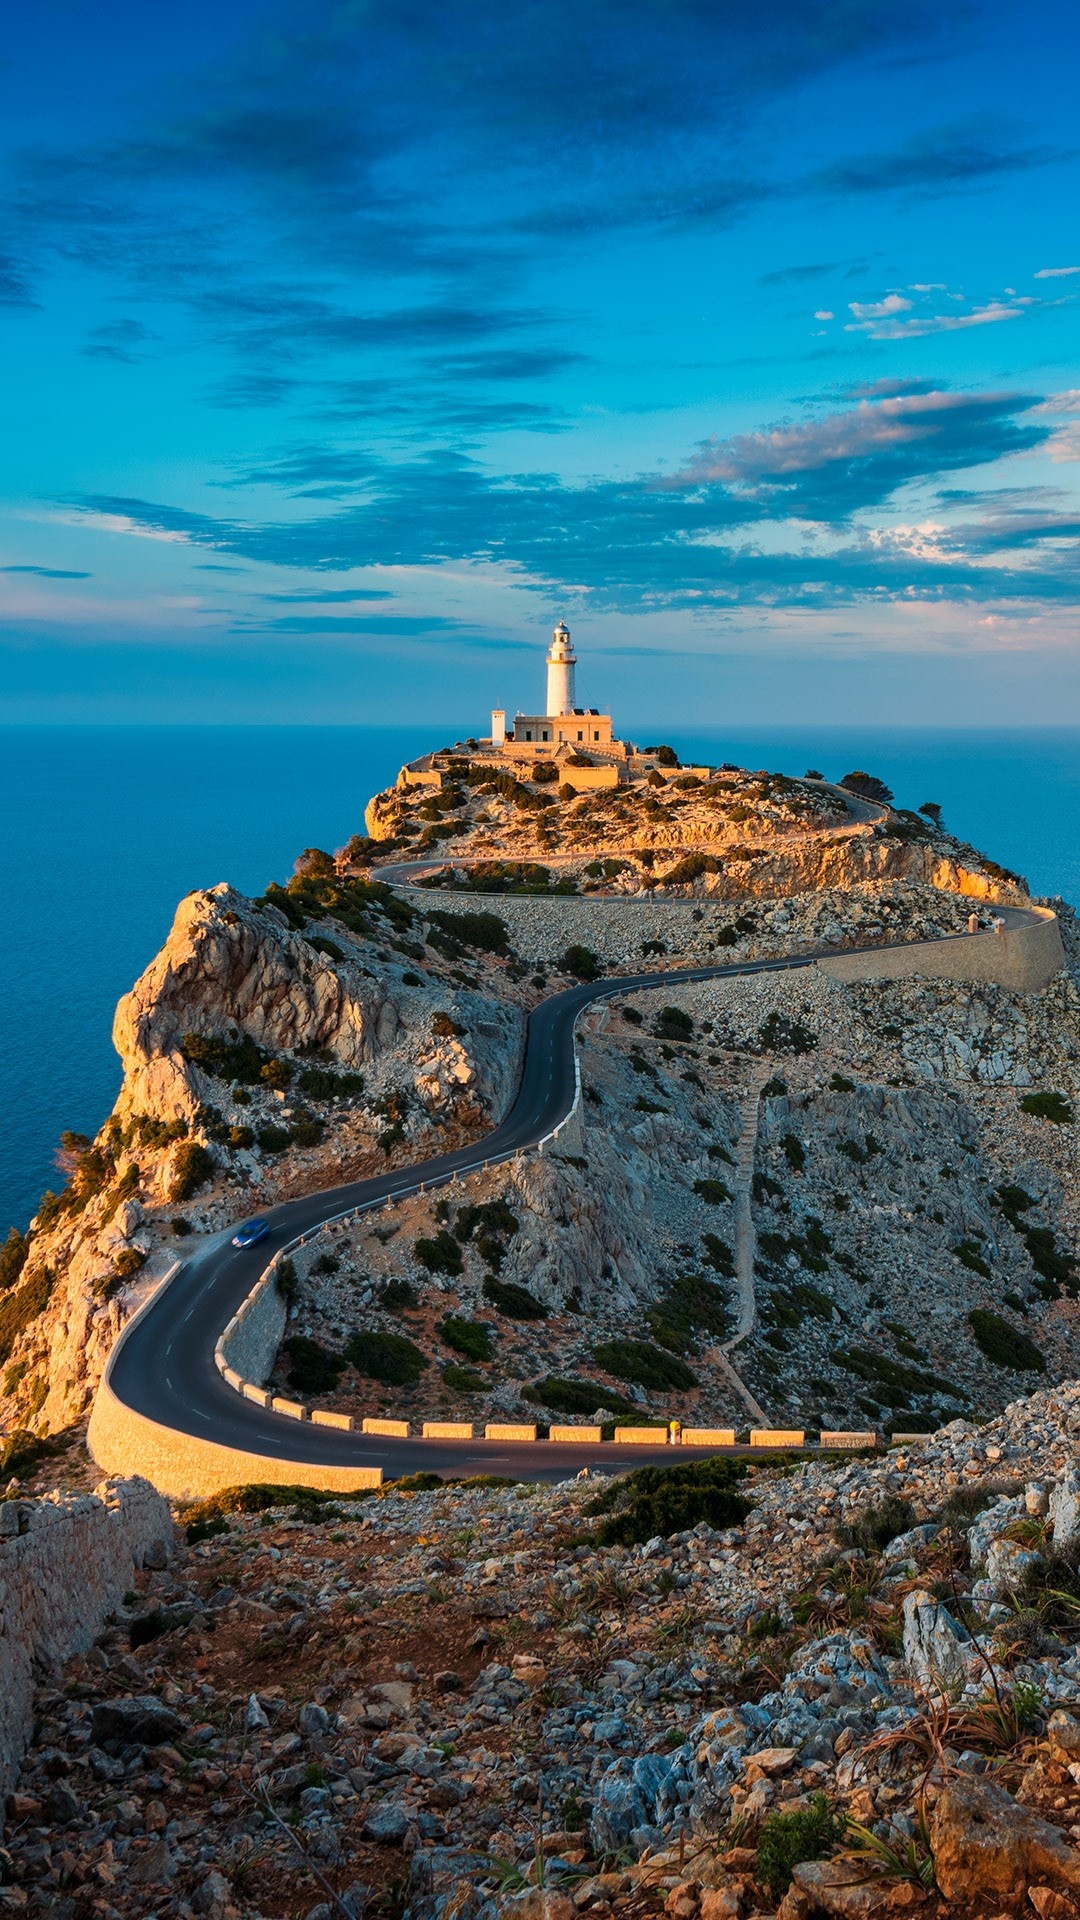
column 142, row 1720
column 1065, row 1511
column 985, row 1845
column 936, row 1646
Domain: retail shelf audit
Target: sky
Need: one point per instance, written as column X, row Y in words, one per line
column 348, row 346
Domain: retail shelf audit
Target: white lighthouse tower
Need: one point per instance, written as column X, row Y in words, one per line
column 561, row 662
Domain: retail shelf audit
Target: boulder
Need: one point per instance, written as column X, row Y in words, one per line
column 628, row 1797
column 936, row 1646
column 387, row 1824
column 141, row 1721
column 985, row 1845
column 1065, row 1511
column 1008, row 1565
column 848, row 1890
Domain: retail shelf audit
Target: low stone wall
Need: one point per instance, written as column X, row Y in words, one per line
column 65, row 1564
column 542, row 927
column 1025, row 958
column 189, row 1468
column 250, row 1342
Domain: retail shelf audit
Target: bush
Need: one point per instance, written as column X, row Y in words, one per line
column 690, row 1304
column 970, row 1255
column 12, row 1258
column 794, row 1152
column 386, row 1357
column 271, row 1139
column 577, row 1396
column 322, row 1083
column 778, row 1034
column 235, row 1059
column 787, row 1839
column 440, row 1253
column 286, row 1278
column 885, row 1520
column 463, row 1380
column 192, row 1167
column 21, row 1452
column 398, row 1295
column 485, row 932
column 312, row 1368
column 544, row 773
column 208, row 1516
column 1048, row 1106
column 445, row 1027
column 673, row 1024
column 485, row 1217
column 667, row 1500
column 644, row 1366
column 322, row 945
column 517, row 1303
column 1003, row 1344
column 719, row 1255
column 714, row 1191
column 582, row 962
column 567, row 791
column 868, row 787
column 470, row 1337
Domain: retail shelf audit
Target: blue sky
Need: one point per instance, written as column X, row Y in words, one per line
column 347, row 346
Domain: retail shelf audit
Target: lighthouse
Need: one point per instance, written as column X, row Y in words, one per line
column 561, row 662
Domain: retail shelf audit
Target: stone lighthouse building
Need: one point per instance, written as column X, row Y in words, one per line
column 562, row 724
column 561, row 662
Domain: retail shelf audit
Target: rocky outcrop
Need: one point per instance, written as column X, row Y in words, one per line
column 229, row 968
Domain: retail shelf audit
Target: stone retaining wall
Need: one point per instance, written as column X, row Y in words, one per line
column 1024, row 958
column 65, row 1564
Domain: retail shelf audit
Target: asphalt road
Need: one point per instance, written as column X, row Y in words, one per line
column 163, row 1366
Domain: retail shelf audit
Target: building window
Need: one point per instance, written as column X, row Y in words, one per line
column 528, row 736
column 596, row 734
column 581, row 736
column 544, row 735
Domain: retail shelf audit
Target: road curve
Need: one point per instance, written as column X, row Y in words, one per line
column 163, row 1365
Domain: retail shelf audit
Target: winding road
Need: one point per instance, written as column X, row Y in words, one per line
column 163, row 1365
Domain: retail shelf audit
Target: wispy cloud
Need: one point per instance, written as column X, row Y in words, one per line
column 1056, row 273
column 49, row 573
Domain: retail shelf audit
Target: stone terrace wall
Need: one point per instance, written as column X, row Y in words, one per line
column 1024, row 958
column 65, row 1564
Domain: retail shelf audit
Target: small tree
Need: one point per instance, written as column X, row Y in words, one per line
column 867, row 786
column 314, row 864
column 932, row 812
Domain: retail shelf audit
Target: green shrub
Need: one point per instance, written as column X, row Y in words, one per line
column 673, row 1024
column 719, row 1255
column 794, row 1152
column 879, row 1523
column 322, row 945
column 717, row 1152
column 12, row 1258
column 21, row 1452
column 445, row 1027
column 286, row 1277
column 1003, row 1344
column 713, row 1191
column 667, row 1500
column 387, row 1357
column 486, row 1217
column 840, row 1083
column 644, row 1365
column 463, row 1380
column 192, row 1167
column 1056, row 1269
column 1048, row 1106
column 787, row 1839
column 517, row 1303
column 894, row 1381
column 439, row 1253
column 398, row 1295
column 577, row 1396
column 235, row 1059
column 470, row 1337
column 582, row 962
column 181, row 1227
column 326, row 1263
column 207, row 1516
column 312, row 1368
column 271, row 1139
column 21, row 1305
column 689, row 869
column 322, row 1083
column 970, row 1255
column 778, row 1034
column 484, row 932
column 691, row 1304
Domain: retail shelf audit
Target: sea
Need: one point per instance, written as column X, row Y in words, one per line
column 103, row 830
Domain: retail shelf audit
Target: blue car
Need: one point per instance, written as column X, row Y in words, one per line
column 251, row 1233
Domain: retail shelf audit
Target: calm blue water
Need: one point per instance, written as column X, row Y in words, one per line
column 104, row 829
